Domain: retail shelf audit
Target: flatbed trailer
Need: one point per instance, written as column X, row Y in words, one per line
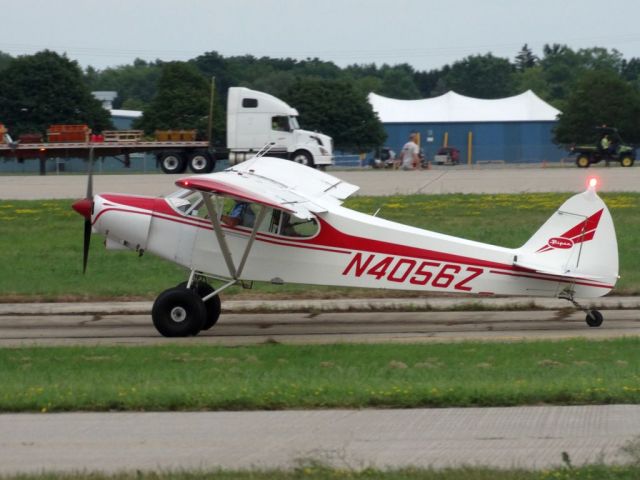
column 172, row 156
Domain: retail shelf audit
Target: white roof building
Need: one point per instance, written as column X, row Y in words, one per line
column 453, row 107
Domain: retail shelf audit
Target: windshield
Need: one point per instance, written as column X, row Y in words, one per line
column 293, row 123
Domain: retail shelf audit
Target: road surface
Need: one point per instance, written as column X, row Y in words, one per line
column 379, row 182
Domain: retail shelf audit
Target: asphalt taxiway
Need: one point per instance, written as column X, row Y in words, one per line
column 323, row 321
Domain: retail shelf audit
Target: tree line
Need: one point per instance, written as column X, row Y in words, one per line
column 592, row 86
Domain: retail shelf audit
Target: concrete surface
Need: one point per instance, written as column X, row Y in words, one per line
column 509, row 179
column 332, row 305
column 527, row 437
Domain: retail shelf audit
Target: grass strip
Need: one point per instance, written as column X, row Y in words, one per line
column 272, row 376
column 315, row 472
column 41, row 244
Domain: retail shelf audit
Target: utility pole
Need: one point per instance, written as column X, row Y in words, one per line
column 210, row 126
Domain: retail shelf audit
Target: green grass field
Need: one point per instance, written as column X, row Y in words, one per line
column 271, row 376
column 41, row 245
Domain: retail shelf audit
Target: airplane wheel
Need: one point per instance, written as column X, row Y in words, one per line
column 178, row 312
column 594, row 318
column 213, row 306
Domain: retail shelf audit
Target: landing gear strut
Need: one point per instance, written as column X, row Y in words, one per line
column 213, row 306
column 594, row 318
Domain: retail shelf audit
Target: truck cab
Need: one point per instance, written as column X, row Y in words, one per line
column 256, row 119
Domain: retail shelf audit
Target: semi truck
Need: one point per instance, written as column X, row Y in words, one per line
column 256, row 119
column 175, row 150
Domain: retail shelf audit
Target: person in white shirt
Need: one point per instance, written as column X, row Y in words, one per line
column 410, row 154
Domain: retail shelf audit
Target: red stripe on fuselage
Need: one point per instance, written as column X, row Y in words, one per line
column 331, row 239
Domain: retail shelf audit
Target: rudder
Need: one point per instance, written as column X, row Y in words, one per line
column 577, row 242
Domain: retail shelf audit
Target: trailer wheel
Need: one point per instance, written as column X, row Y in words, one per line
column 583, row 161
column 201, row 162
column 303, row 157
column 172, row 162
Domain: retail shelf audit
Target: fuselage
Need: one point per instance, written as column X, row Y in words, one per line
column 345, row 248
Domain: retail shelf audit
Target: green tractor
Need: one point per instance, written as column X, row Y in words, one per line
column 609, row 146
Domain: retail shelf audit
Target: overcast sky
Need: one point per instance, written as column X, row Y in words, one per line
column 424, row 33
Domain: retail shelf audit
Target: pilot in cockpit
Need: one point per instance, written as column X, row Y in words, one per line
column 241, row 214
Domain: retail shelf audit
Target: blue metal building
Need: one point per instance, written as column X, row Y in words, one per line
column 514, row 129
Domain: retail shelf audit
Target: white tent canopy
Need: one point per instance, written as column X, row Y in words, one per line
column 452, row 107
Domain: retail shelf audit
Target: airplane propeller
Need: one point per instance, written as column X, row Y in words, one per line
column 84, row 207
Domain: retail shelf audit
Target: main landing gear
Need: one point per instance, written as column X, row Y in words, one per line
column 186, row 309
column 594, row 318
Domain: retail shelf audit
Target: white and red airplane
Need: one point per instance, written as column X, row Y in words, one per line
column 298, row 232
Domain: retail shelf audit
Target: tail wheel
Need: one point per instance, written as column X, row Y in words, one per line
column 594, row 318
column 583, row 161
column 201, row 162
column 213, row 306
column 303, row 157
column 172, row 162
column 627, row 161
column 178, row 312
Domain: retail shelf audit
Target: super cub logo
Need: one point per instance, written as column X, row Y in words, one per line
column 560, row 242
column 412, row 271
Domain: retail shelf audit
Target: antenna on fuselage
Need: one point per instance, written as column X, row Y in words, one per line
column 264, row 150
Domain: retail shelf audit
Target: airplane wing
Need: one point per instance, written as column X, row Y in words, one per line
column 225, row 188
column 310, row 183
column 276, row 183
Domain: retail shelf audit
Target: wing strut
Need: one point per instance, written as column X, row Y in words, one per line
column 222, row 241
column 257, row 223
column 217, row 228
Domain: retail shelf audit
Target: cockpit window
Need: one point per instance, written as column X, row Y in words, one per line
column 236, row 213
column 190, row 203
column 289, row 225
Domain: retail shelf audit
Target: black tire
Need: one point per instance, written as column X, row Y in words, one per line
column 627, row 161
column 302, row 157
column 594, row 318
column 213, row 306
column 178, row 312
column 201, row 162
column 172, row 162
column 583, row 161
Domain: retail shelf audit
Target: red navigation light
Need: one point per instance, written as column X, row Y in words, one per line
column 593, row 182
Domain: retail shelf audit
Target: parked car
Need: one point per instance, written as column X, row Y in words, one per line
column 447, row 156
